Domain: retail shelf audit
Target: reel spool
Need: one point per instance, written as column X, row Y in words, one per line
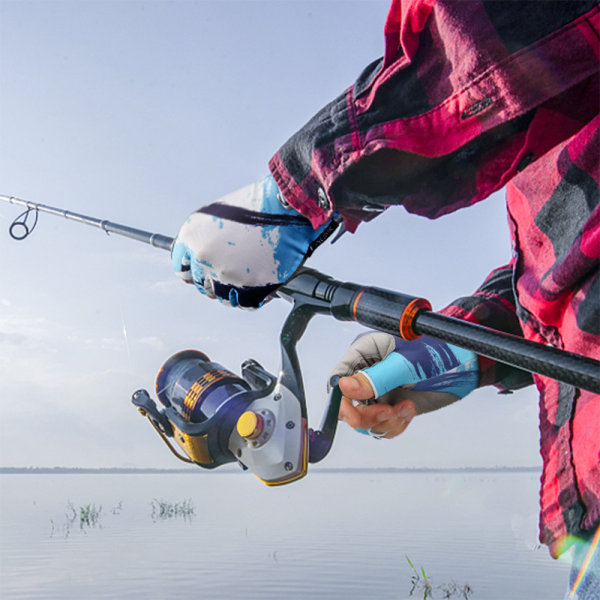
column 196, row 389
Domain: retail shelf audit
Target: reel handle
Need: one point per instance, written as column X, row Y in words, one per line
column 147, row 407
column 321, row 440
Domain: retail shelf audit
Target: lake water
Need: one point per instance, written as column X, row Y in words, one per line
column 331, row 535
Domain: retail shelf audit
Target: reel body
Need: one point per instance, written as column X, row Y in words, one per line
column 216, row 417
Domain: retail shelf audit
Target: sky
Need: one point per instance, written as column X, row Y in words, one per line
column 140, row 112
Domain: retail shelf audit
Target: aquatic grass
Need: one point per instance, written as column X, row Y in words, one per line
column 163, row 509
column 89, row 516
column 86, row 516
column 449, row 590
column 421, row 582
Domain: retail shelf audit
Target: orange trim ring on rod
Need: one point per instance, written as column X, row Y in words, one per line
column 355, row 305
column 405, row 325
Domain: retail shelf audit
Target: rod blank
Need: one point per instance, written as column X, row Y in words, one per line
column 154, row 239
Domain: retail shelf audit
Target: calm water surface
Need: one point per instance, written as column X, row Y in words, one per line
column 331, row 535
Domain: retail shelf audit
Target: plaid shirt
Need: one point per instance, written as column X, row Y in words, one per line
column 468, row 97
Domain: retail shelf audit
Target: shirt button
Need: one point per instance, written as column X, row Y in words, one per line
column 322, row 199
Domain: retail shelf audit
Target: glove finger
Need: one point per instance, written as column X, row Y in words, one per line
column 180, row 261
column 202, row 280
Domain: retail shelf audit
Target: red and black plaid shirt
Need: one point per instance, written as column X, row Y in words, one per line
column 471, row 97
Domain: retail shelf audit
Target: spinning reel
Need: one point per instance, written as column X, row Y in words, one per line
column 216, row 417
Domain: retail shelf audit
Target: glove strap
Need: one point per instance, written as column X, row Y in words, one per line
column 324, row 235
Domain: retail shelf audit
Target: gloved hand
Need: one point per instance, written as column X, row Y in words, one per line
column 244, row 246
column 393, row 380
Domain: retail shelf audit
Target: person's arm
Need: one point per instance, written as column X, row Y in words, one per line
column 467, row 95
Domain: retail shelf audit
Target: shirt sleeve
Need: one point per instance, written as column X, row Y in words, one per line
column 493, row 305
column 466, row 95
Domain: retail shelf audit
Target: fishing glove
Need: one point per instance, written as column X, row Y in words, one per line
column 427, row 371
column 241, row 248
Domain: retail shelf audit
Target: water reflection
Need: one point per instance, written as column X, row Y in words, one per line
column 225, row 536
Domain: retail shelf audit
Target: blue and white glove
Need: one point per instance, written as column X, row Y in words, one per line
column 427, row 371
column 241, row 248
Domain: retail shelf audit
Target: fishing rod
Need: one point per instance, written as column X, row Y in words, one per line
column 266, row 416
column 384, row 310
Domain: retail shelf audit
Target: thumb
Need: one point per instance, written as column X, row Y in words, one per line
column 356, row 387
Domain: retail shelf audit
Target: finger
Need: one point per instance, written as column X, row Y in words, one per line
column 391, row 428
column 203, row 281
column 402, row 415
column 373, row 415
column 405, row 409
column 348, row 413
column 362, row 416
column 356, row 387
